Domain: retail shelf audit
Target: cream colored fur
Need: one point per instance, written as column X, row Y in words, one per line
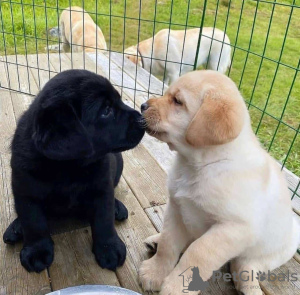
column 78, row 30
column 214, row 43
column 228, row 198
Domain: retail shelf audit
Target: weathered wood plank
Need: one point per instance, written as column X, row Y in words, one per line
column 7, row 121
column 14, row 279
column 292, row 266
column 3, row 78
column 60, row 62
column 78, row 61
column 7, row 118
column 120, row 79
column 27, row 84
column 293, row 181
column 145, row 177
column 133, row 232
column 149, row 82
column 74, row 263
column 277, row 287
column 159, row 151
column 156, row 215
column 41, row 70
column 20, row 102
column 19, row 75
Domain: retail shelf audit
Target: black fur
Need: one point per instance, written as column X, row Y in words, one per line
column 66, row 161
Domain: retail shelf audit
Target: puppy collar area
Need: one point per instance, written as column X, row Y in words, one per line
column 139, row 53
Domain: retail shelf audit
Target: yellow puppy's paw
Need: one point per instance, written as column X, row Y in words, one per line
column 172, row 286
column 151, row 274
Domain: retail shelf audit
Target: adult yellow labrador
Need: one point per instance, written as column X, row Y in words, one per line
column 228, row 198
column 78, row 31
column 179, row 48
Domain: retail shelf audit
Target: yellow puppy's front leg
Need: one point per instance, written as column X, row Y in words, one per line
column 172, row 241
column 218, row 245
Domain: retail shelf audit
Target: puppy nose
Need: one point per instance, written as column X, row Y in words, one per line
column 144, row 107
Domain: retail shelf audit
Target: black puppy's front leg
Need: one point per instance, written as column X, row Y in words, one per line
column 109, row 249
column 37, row 252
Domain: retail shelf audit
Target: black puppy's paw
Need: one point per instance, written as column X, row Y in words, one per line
column 38, row 256
column 13, row 233
column 111, row 254
column 121, row 212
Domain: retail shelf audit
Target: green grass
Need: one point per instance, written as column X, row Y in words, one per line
column 264, row 94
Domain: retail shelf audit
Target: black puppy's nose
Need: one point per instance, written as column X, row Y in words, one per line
column 144, row 107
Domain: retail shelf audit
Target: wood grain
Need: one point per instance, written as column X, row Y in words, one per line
column 133, row 232
column 120, row 79
column 7, row 121
column 145, row 177
column 149, row 82
column 20, row 77
column 156, row 215
column 277, row 287
column 14, row 279
column 44, row 71
column 74, row 263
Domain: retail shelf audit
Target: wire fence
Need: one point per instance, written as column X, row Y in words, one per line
column 264, row 40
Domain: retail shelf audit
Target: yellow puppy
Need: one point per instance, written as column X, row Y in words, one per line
column 77, row 29
column 228, row 197
column 180, row 46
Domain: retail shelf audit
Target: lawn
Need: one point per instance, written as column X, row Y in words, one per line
column 258, row 27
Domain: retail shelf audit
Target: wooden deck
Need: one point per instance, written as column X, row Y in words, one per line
column 142, row 187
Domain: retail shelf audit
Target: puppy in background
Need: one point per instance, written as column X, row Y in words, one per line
column 78, row 31
column 180, row 46
column 228, row 198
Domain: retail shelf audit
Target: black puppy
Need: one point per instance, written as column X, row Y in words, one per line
column 66, row 160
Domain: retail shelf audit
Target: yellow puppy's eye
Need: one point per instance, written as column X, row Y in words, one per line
column 176, row 101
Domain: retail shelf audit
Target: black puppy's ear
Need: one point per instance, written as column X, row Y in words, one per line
column 60, row 135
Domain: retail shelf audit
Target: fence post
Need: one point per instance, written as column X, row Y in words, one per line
column 200, row 34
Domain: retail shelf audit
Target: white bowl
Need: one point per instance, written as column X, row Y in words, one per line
column 94, row 290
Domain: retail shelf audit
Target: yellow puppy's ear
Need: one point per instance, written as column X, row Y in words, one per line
column 219, row 120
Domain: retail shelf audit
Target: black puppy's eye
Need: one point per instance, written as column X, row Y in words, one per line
column 106, row 112
column 176, row 101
